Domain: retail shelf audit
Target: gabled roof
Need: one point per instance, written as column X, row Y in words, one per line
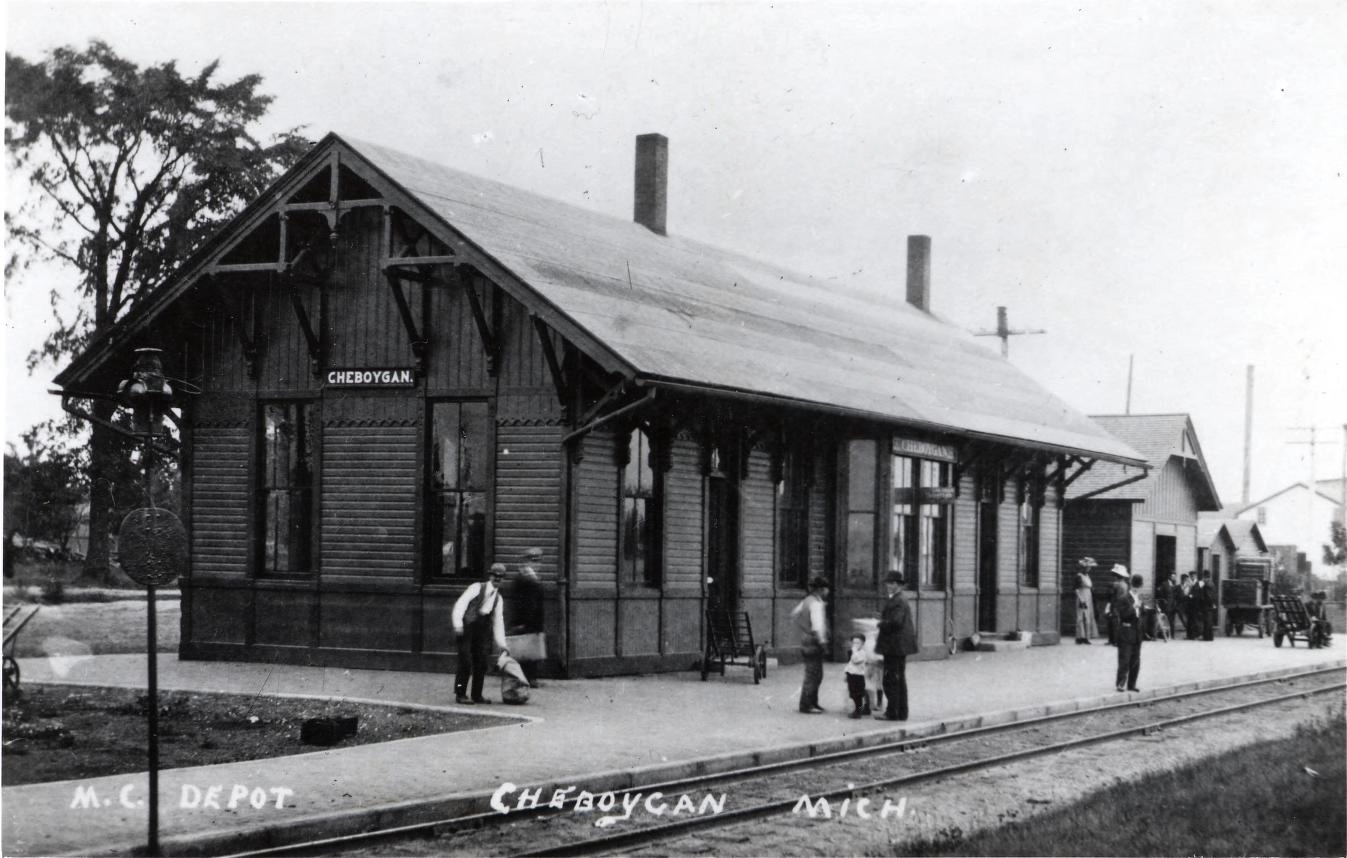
column 679, row 312
column 1240, row 534
column 1320, row 489
column 1209, row 528
column 1158, row 437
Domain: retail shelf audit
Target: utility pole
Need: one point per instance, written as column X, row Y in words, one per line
column 1248, row 431
column 1004, row 332
column 1313, row 541
column 1127, row 406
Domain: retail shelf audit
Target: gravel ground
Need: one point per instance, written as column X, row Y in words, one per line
column 989, row 798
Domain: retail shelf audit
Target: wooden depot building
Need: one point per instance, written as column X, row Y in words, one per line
column 406, row 373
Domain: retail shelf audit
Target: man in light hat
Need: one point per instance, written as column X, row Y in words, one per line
column 478, row 619
column 1127, row 608
column 1119, row 572
column 897, row 640
column 528, row 618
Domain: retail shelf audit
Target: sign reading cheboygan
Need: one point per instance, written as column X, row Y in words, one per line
column 371, row 378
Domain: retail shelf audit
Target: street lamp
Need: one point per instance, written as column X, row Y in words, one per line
column 152, row 543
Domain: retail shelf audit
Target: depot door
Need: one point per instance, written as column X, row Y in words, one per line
column 722, row 538
column 987, row 566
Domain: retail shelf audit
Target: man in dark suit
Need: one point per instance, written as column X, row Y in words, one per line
column 1127, row 608
column 1204, row 606
column 897, row 640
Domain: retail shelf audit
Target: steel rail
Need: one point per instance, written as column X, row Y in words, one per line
column 880, row 748
column 624, row 841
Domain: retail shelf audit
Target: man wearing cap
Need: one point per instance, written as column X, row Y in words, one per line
column 528, row 604
column 811, row 618
column 1127, row 608
column 897, row 640
column 478, row 619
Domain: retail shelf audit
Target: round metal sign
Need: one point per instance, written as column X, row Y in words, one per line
column 152, row 546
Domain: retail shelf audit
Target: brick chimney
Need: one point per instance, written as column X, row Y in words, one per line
column 919, row 272
column 652, row 181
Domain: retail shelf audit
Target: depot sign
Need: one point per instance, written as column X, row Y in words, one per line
column 371, row 378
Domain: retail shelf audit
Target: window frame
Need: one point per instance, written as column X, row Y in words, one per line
column 790, row 516
column 1030, row 533
column 462, row 570
column 264, row 491
column 633, row 446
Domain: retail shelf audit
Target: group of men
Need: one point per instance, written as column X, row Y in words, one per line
column 897, row 640
column 1191, row 598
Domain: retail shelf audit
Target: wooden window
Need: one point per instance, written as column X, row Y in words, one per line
column 285, row 488
column 792, row 518
column 1031, row 512
column 937, row 498
column 862, row 481
column 460, row 465
column 919, row 535
column 638, row 513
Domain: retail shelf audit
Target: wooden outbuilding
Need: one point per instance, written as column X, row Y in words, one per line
column 406, row 373
column 1145, row 519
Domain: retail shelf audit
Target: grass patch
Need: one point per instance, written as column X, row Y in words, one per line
column 98, row 628
column 1259, row 800
column 56, row 732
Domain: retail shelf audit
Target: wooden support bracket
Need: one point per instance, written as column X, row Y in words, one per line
column 489, row 329
column 311, row 338
column 550, row 354
column 246, row 336
column 417, row 338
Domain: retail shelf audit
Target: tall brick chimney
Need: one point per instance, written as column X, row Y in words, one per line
column 652, row 181
column 919, row 272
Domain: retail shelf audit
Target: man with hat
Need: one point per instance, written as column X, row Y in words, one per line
column 897, row 640
column 1127, row 608
column 478, row 619
column 811, row 618
column 1111, row 607
column 528, row 616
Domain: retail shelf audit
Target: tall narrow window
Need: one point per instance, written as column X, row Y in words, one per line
column 792, row 519
column 904, row 539
column 286, row 488
column 638, row 530
column 460, row 461
column 1030, row 517
column 862, row 459
column 936, row 495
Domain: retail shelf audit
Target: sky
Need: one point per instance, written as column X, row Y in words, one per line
column 1159, row 182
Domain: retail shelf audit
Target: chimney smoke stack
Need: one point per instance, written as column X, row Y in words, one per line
column 919, row 272
column 652, row 181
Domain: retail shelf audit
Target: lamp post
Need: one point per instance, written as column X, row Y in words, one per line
column 152, row 543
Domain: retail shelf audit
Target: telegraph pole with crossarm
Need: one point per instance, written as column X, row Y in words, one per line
column 1004, row 332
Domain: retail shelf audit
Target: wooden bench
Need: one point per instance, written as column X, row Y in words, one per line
column 15, row 619
column 729, row 641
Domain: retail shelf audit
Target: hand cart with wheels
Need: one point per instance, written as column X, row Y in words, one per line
column 729, row 641
column 15, row 619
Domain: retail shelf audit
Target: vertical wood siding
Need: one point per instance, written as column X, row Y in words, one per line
column 456, row 360
column 759, row 533
column 966, row 534
column 362, row 324
column 283, row 353
column 528, row 485
column 596, row 513
column 220, row 500
column 370, row 486
column 1171, row 498
column 683, row 515
column 821, row 510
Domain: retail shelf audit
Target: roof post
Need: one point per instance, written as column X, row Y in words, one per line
column 652, row 181
column 919, row 272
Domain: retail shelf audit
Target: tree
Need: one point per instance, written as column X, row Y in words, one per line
column 132, row 169
column 1336, row 553
column 44, row 487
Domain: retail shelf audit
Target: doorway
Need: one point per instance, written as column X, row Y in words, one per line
column 1166, row 558
column 987, row 522
column 722, row 542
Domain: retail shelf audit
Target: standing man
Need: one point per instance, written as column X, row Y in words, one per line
column 478, row 619
column 897, row 640
column 1127, row 609
column 811, row 618
column 1203, row 599
column 528, row 616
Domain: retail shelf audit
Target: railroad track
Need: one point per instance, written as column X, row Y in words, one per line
column 843, row 781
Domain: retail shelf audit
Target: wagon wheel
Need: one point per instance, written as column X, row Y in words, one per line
column 11, row 676
column 951, row 644
column 760, row 663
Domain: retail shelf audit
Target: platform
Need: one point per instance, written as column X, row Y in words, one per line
column 594, row 734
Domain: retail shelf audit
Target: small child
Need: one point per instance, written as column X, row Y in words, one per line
column 855, row 674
